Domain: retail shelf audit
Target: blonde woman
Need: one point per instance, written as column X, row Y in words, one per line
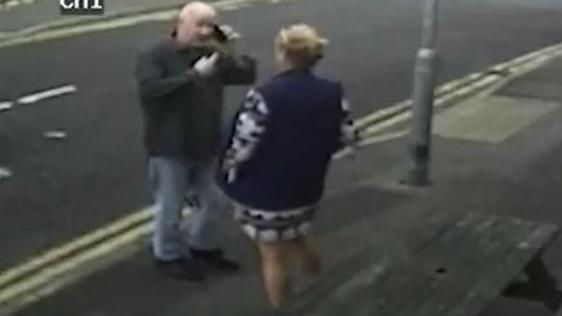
column 282, row 142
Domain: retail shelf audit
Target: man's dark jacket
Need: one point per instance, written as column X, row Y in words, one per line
column 183, row 110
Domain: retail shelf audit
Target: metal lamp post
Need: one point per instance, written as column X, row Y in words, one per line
column 419, row 148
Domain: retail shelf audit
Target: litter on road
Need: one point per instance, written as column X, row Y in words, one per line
column 55, row 134
column 5, row 173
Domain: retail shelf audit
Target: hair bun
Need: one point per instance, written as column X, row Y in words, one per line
column 301, row 40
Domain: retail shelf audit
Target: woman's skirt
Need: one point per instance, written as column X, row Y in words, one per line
column 274, row 226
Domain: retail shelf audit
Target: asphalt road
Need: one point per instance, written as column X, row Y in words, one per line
column 64, row 188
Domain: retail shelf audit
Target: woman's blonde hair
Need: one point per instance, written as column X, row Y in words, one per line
column 301, row 45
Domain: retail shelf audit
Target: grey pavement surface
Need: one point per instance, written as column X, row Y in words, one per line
column 62, row 189
column 520, row 176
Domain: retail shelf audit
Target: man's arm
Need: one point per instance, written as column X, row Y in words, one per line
column 235, row 69
column 238, row 70
column 152, row 81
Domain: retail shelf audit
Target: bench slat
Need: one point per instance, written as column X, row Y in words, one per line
column 460, row 257
column 491, row 285
column 446, row 254
column 411, row 284
column 480, row 248
column 481, row 253
column 435, row 227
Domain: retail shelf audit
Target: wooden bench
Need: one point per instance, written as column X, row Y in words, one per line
column 457, row 266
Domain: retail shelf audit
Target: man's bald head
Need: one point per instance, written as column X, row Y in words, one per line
column 195, row 23
column 197, row 8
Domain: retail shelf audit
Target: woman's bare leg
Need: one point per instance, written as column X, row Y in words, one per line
column 273, row 256
column 308, row 259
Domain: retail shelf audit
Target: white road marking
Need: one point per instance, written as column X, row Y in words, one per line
column 14, row 3
column 11, row 3
column 47, row 94
column 6, row 105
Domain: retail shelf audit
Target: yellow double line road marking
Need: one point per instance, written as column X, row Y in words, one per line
column 453, row 91
column 57, row 255
column 58, row 276
column 53, row 270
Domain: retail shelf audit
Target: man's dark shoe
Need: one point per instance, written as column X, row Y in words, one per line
column 183, row 269
column 215, row 259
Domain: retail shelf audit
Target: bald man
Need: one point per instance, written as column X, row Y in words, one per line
column 180, row 82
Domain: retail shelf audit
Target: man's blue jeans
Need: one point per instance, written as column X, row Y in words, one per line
column 170, row 180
